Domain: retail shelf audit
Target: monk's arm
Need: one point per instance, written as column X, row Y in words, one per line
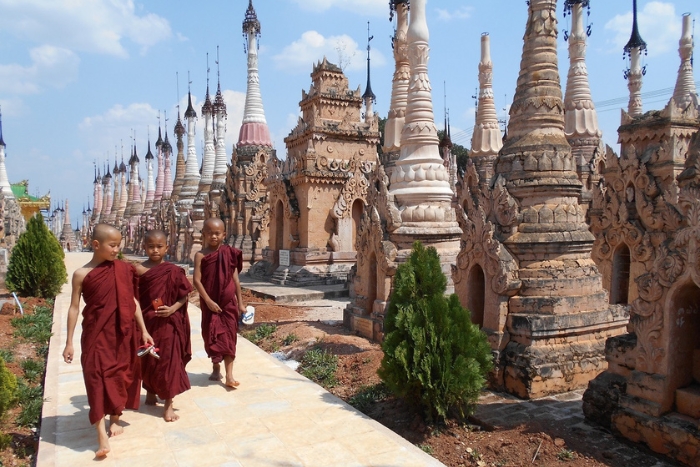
column 73, row 311
column 138, row 316
column 165, row 311
column 197, row 279
column 239, row 293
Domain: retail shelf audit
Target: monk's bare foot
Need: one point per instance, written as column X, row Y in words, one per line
column 215, row 373
column 151, row 398
column 232, row 383
column 115, row 429
column 102, row 440
column 169, row 414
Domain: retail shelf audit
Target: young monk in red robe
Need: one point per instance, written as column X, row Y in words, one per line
column 111, row 324
column 163, row 291
column 216, row 270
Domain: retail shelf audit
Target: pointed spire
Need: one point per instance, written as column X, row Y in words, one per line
column 2, row 142
column 149, row 154
column 219, row 104
column 190, row 112
column 581, row 119
column 368, row 91
column 159, row 141
column 95, row 167
column 685, row 93
column 207, row 107
column 634, row 73
column 254, row 130
column 167, row 147
column 636, row 41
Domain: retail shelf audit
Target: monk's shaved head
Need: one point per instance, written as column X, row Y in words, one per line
column 155, row 234
column 213, row 222
column 102, row 232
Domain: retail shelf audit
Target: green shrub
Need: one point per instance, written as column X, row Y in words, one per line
column 320, row 366
column 289, row 339
column 434, row 357
column 7, row 355
column 5, row 441
column 36, row 266
column 8, row 388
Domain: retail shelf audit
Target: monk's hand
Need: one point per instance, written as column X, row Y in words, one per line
column 165, row 311
column 68, row 353
column 147, row 339
column 213, row 306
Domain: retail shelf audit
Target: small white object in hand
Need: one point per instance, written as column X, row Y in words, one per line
column 249, row 315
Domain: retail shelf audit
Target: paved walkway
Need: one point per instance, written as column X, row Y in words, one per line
column 287, row 294
column 276, row 418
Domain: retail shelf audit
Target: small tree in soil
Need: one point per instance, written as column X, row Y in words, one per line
column 36, row 266
column 434, row 357
column 8, row 388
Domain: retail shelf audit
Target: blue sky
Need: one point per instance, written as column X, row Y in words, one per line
column 77, row 76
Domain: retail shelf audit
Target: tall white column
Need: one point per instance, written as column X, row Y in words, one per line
column 684, row 93
column 5, row 188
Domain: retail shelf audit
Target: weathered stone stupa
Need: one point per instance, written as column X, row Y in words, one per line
column 248, row 209
column 413, row 200
column 545, row 310
column 646, row 219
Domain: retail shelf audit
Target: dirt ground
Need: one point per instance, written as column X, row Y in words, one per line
column 24, row 440
column 454, row 444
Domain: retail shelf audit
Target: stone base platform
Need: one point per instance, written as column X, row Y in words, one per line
column 287, row 294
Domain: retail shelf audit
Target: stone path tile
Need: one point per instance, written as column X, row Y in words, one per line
column 276, row 417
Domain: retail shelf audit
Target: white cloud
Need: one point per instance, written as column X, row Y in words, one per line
column 300, row 55
column 51, row 66
column 463, row 12
column 658, row 25
column 97, row 26
column 362, row 7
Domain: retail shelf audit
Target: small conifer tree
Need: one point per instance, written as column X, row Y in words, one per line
column 8, row 388
column 36, row 266
column 434, row 357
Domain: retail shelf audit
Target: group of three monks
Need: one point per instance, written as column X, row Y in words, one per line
column 126, row 305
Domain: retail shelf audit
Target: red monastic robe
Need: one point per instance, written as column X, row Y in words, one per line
column 109, row 340
column 220, row 330
column 166, row 377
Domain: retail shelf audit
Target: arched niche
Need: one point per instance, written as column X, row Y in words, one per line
column 620, row 279
column 477, row 294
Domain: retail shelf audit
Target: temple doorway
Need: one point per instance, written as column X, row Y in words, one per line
column 620, row 280
column 477, row 295
column 684, row 347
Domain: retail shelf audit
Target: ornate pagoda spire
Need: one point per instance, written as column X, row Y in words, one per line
column 160, row 178
column 684, row 93
column 123, row 191
column 487, row 139
column 5, row 188
column 254, row 130
column 580, row 117
column 209, row 155
column 369, row 96
column 399, row 87
column 150, row 179
column 180, row 162
column 634, row 48
column 167, row 158
column 97, row 195
column 420, row 182
column 191, row 179
column 108, row 199
column 220, row 128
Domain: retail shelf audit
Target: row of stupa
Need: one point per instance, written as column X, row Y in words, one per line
column 550, row 239
column 178, row 203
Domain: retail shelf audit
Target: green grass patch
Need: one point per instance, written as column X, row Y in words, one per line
column 566, row 455
column 426, row 448
column 7, row 355
column 369, row 395
column 31, row 398
column 35, row 327
column 289, row 339
column 260, row 333
column 320, row 366
column 33, row 369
